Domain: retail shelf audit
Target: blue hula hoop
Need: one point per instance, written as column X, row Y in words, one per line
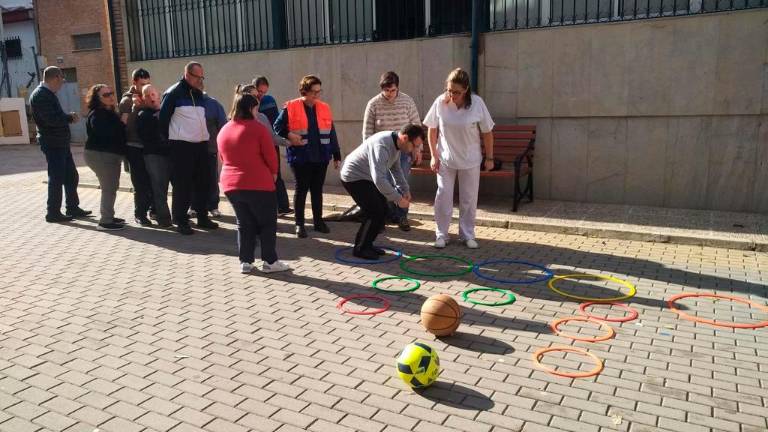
column 548, row 274
column 395, row 257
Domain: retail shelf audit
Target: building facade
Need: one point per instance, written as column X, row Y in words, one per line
column 660, row 103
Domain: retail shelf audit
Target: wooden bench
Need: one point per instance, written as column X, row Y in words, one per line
column 513, row 145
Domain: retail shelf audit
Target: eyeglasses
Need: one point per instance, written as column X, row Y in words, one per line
column 390, row 90
column 200, row 77
column 108, row 94
column 454, row 92
column 315, row 92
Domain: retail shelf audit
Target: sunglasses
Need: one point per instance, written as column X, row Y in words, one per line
column 107, row 94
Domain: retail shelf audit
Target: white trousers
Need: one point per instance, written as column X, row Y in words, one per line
column 469, row 184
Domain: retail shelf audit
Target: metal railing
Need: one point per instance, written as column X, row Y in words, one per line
column 179, row 28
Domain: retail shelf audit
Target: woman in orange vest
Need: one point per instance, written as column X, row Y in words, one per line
column 308, row 123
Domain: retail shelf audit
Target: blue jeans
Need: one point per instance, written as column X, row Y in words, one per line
column 61, row 173
column 395, row 212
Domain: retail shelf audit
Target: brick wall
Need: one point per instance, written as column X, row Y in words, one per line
column 58, row 21
column 120, row 38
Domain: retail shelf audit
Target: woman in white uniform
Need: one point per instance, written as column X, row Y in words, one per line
column 459, row 123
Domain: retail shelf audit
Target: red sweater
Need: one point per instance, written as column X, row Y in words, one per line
column 248, row 156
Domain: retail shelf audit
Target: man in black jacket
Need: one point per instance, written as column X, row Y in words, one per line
column 53, row 135
column 182, row 122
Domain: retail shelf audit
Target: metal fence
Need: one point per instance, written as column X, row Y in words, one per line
column 179, row 28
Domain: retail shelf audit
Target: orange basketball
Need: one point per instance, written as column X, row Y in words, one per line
column 440, row 315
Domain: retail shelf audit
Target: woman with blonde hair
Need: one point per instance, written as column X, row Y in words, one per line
column 459, row 124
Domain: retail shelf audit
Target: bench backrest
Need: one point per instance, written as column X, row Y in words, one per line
column 509, row 142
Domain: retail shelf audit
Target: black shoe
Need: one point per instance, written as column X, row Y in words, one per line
column 285, row 212
column 404, row 225
column 143, row 221
column 53, row 218
column 301, row 232
column 206, row 223
column 322, row 228
column 118, row 220
column 184, row 229
column 78, row 212
column 110, row 226
column 379, row 251
column 164, row 224
column 366, row 254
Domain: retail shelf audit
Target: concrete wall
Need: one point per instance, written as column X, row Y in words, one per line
column 670, row 112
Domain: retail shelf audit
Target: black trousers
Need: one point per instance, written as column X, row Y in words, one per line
column 256, row 213
column 62, row 174
column 282, row 194
column 310, row 177
column 190, row 172
column 374, row 208
column 142, row 185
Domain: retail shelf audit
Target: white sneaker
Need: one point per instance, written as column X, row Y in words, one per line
column 440, row 243
column 215, row 213
column 245, row 267
column 275, row 267
column 472, row 244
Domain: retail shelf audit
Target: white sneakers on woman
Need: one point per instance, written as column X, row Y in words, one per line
column 441, row 242
column 265, row 267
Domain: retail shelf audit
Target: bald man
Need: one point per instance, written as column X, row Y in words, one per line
column 156, row 152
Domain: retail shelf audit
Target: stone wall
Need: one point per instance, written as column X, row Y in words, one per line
column 670, row 112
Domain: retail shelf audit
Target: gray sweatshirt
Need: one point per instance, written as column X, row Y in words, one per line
column 377, row 160
column 277, row 140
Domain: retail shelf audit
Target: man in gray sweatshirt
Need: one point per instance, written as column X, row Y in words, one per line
column 366, row 174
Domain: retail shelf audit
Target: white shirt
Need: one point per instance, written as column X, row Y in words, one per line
column 459, row 142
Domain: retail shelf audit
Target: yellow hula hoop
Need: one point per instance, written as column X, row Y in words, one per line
column 632, row 289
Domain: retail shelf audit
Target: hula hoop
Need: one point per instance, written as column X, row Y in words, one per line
column 395, row 257
column 632, row 313
column 632, row 289
column 404, row 265
column 685, row 316
column 556, row 323
column 385, row 304
column 509, row 300
column 375, row 284
column 596, row 370
column 547, row 272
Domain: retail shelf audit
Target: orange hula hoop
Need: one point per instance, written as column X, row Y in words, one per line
column 556, row 323
column 596, row 370
column 685, row 316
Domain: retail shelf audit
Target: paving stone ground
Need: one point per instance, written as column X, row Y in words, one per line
column 146, row 330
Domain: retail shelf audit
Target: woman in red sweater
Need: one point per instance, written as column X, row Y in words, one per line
column 248, row 173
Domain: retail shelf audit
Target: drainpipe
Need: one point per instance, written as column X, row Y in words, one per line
column 475, row 50
column 113, row 36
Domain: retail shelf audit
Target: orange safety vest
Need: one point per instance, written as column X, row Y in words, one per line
column 298, row 123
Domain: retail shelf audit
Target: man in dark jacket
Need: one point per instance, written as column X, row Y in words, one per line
column 182, row 122
column 129, row 109
column 155, row 153
column 53, row 135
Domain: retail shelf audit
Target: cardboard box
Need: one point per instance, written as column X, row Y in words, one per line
column 11, row 123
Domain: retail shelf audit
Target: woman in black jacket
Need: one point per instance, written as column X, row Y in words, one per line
column 104, row 150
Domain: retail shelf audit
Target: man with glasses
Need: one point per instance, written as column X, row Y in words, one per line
column 53, row 135
column 387, row 111
column 183, row 123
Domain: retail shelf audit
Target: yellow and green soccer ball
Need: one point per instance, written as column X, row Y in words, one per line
column 418, row 365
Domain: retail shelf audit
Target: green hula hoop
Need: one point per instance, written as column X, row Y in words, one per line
column 510, row 297
column 376, row 286
column 404, row 265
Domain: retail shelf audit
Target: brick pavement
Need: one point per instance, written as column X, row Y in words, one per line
column 145, row 330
